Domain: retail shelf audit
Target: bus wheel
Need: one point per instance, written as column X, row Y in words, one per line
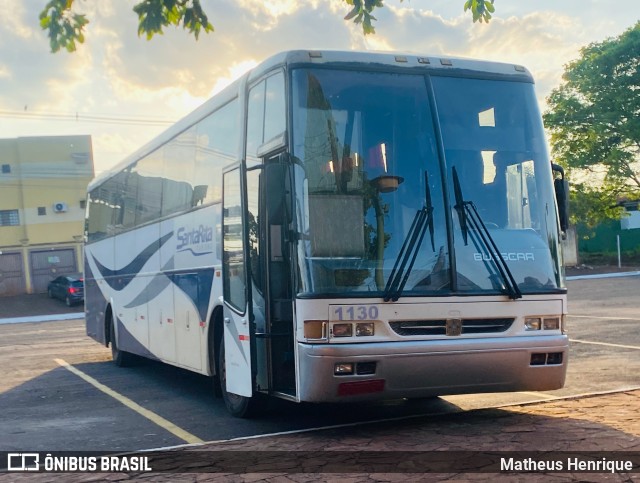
column 215, row 375
column 238, row 406
column 120, row 357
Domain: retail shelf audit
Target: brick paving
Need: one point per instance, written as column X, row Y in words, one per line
column 601, row 423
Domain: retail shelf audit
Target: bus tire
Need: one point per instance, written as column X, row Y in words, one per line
column 238, row 406
column 120, row 357
column 213, row 367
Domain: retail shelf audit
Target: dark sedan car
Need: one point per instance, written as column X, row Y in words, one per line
column 69, row 288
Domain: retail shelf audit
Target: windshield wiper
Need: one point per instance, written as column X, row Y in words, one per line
column 410, row 248
column 468, row 215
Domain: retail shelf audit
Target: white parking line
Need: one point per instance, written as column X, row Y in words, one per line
column 613, row 317
column 603, row 275
column 605, row 344
column 539, row 394
column 150, row 415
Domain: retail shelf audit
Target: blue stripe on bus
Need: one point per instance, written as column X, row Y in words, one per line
column 157, row 284
column 94, row 311
column 119, row 279
column 195, row 254
column 127, row 342
column 198, row 289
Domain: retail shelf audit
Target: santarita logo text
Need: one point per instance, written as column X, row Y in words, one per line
column 195, row 236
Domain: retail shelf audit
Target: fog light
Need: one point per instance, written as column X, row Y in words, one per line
column 364, row 329
column 343, row 369
column 342, row 330
column 366, row 368
column 551, row 323
column 554, row 358
column 538, row 359
column 532, row 323
column 315, row 329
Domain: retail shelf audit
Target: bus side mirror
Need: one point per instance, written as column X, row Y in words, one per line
column 561, row 187
column 279, row 192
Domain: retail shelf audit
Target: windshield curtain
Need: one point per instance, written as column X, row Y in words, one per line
column 493, row 136
column 368, row 182
column 366, row 150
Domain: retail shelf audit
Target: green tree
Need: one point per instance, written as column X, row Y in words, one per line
column 594, row 120
column 65, row 26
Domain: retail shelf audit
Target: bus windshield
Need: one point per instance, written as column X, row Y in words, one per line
column 375, row 204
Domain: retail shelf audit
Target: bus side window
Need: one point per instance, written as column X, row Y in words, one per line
column 267, row 113
column 216, row 147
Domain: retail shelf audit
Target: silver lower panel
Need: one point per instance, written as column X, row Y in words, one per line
column 414, row 369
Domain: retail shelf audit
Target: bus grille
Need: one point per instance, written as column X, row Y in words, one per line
column 439, row 326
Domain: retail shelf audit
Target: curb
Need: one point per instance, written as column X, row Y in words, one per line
column 43, row 318
column 603, row 275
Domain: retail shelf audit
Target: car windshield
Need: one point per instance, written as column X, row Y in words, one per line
column 368, row 160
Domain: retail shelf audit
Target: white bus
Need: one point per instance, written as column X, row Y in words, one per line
column 340, row 226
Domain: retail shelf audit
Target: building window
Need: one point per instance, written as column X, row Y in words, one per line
column 42, row 210
column 83, row 204
column 9, row 218
column 6, row 168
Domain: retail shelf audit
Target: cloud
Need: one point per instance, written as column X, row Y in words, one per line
column 116, row 73
column 31, row 75
column 14, row 22
column 541, row 41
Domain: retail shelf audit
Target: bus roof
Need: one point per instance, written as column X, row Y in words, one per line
column 392, row 60
column 387, row 61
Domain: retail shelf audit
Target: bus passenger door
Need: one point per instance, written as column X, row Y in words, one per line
column 280, row 327
column 268, row 250
column 270, row 275
column 237, row 308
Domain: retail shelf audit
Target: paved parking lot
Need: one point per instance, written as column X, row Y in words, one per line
column 52, row 397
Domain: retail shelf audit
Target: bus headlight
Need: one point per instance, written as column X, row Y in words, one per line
column 342, row 330
column 532, row 323
column 543, row 323
column 551, row 323
column 365, row 329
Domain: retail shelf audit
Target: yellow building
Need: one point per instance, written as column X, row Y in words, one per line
column 43, row 182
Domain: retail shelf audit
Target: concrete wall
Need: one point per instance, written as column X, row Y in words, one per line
column 570, row 248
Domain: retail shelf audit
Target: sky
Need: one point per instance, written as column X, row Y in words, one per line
column 123, row 90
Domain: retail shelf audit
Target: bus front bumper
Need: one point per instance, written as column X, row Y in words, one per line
column 415, row 369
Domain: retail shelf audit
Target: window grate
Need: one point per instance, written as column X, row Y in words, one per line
column 9, row 218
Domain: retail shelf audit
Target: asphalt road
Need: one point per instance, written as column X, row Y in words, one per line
column 45, row 406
